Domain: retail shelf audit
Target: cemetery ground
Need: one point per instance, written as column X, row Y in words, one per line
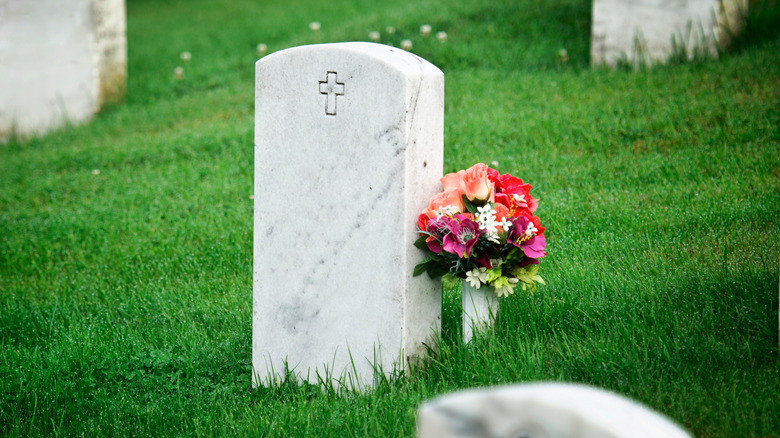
column 126, row 244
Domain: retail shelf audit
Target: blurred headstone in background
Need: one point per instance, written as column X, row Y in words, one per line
column 644, row 32
column 60, row 62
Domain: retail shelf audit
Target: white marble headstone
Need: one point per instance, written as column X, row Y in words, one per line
column 541, row 410
column 60, row 61
column 641, row 31
column 348, row 151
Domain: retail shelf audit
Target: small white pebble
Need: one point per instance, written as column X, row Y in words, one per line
column 262, row 49
column 441, row 36
column 563, row 55
column 95, row 171
column 406, row 45
column 390, row 29
column 314, row 25
column 425, row 30
column 178, row 72
column 373, row 36
column 185, row 56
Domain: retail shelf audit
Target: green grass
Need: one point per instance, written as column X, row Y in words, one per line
column 125, row 296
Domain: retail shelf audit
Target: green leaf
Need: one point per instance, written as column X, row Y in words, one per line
column 468, row 204
column 420, row 242
column 515, row 255
column 421, row 267
column 528, row 276
column 436, row 270
column 492, row 275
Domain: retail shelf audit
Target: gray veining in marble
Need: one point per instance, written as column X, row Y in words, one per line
column 348, row 151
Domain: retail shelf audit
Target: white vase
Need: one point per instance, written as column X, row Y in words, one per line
column 480, row 307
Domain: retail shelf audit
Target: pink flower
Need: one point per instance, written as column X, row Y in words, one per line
column 462, row 237
column 522, row 235
column 437, row 228
column 454, row 182
column 534, row 247
column 472, row 182
column 442, row 200
column 478, row 185
column 533, row 219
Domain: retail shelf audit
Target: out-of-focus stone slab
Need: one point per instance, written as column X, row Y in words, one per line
column 641, row 32
column 541, row 410
column 60, row 61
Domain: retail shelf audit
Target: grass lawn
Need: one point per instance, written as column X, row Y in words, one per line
column 126, row 244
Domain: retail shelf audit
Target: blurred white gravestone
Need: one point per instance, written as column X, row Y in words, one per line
column 60, row 61
column 348, row 151
column 641, row 31
column 541, row 410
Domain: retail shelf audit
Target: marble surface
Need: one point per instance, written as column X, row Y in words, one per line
column 640, row 31
column 541, row 410
column 59, row 62
column 348, row 151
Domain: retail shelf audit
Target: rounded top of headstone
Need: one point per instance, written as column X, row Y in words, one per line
column 393, row 57
column 547, row 410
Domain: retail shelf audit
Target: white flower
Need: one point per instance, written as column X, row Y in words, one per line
column 496, row 263
column 262, row 49
column 425, row 30
column 494, row 163
column 314, row 25
column 185, row 56
column 96, row 171
column 486, row 218
column 519, row 198
column 373, row 36
column 505, row 224
column 390, row 29
column 473, row 278
column 531, row 229
column 441, row 36
column 406, row 45
column 178, row 72
column 486, row 209
column 492, row 236
column 563, row 55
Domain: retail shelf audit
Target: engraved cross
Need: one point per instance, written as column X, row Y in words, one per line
column 332, row 88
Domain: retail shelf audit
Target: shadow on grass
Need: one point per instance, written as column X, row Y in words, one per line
column 762, row 26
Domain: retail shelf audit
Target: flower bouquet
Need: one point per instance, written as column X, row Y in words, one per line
column 481, row 228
